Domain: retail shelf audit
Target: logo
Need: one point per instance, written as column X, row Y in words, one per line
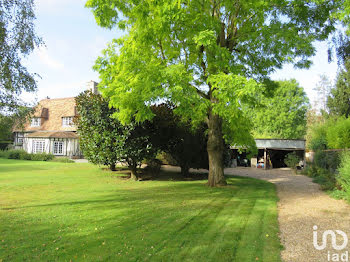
column 334, row 236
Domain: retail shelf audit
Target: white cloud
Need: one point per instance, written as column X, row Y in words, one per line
column 44, row 57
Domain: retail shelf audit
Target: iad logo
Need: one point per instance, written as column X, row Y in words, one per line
column 333, row 236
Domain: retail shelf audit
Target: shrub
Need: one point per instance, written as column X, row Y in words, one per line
column 325, row 178
column 16, row 154
column 292, row 160
column 62, row 160
column 310, row 170
column 343, row 177
column 317, row 137
column 42, row 157
column 329, row 160
column 4, row 153
column 338, row 133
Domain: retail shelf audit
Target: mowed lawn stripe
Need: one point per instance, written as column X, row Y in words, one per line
column 62, row 212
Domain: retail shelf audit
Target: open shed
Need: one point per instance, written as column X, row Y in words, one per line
column 272, row 152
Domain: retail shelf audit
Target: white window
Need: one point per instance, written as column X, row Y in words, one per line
column 36, row 121
column 19, row 138
column 67, row 121
column 58, row 147
column 38, row 146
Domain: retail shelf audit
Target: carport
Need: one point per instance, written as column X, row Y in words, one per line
column 272, row 152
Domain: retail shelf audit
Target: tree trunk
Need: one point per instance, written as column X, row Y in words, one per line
column 215, row 148
column 185, row 171
column 133, row 174
column 112, row 167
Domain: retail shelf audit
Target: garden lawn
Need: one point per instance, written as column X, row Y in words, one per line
column 78, row 212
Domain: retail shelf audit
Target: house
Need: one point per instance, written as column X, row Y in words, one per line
column 51, row 128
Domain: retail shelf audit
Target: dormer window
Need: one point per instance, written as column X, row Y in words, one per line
column 36, row 121
column 67, row 121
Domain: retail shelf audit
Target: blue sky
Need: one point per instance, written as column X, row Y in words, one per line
column 73, row 41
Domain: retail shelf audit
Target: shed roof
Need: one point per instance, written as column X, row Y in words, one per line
column 278, row 144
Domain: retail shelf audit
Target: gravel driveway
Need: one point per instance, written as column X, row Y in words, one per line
column 303, row 205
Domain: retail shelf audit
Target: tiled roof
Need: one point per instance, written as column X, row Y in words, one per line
column 51, row 112
column 58, row 134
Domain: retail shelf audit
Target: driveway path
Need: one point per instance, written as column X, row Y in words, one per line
column 302, row 205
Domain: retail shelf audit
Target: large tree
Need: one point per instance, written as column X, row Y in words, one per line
column 282, row 115
column 338, row 101
column 206, row 57
column 104, row 141
column 17, row 40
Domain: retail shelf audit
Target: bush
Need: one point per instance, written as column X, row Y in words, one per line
column 42, row 157
column 4, row 153
column 343, row 177
column 325, row 178
column 62, row 160
column 16, row 154
column 338, row 133
column 317, row 137
column 292, row 160
column 329, row 160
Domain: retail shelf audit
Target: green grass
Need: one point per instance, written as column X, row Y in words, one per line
column 77, row 212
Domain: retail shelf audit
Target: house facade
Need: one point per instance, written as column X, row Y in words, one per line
column 51, row 128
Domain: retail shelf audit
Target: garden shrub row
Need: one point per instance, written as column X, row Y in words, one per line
column 23, row 155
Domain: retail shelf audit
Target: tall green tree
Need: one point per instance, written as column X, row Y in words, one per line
column 284, row 114
column 206, row 57
column 17, row 40
column 104, row 141
column 338, row 101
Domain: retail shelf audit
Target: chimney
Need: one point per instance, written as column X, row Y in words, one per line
column 92, row 85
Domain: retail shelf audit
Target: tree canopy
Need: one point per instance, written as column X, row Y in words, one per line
column 284, row 114
column 338, row 101
column 17, row 40
column 207, row 57
column 104, row 141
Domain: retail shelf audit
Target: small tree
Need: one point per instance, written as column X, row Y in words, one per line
column 338, row 101
column 292, row 160
column 103, row 140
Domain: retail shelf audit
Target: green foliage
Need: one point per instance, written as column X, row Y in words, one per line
column 42, row 156
column 317, row 137
column 17, row 40
column 334, row 133
column 339, row 100
column 282, row 115
column 343, row 178
column 329, row 160
column 23, row 155
column 62, row 160
column 325, row 178
column 292, row 160
column 338, row 133
column 182, row 145
column 203, row 56
column 103, row 140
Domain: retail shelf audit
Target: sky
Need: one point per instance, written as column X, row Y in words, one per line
column 73, row 41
